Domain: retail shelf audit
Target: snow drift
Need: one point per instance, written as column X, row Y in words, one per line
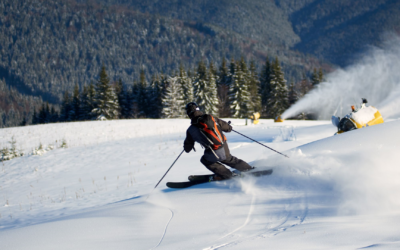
column 357, row 169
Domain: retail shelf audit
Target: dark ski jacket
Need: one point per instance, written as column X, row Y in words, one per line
column 193, row 135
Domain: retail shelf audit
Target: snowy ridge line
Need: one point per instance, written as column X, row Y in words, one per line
column 90, row 133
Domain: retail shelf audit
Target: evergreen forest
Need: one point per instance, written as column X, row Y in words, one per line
column 231, row 89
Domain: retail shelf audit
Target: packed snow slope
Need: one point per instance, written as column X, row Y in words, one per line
column 333, row 192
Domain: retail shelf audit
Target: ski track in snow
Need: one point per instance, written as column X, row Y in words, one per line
column 280, row 228
column 165, row 230
column 251, row 209
column 287, row 223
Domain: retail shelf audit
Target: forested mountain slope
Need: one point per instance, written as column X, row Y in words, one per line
column 333, row 30
column 49, row 46
column 15, row 108
column 46, row 47
column 337, row 30
column 256, row 19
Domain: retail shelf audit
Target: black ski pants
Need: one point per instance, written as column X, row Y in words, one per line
column 220, row 170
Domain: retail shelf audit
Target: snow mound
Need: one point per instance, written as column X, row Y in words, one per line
column 357, row 171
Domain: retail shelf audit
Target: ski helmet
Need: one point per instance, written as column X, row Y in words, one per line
column 191, row 107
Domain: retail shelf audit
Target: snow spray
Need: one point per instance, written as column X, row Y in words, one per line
column 376, row 77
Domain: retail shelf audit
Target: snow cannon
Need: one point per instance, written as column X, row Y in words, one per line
column 358, row 118
column 254, row 118
column 278, row 119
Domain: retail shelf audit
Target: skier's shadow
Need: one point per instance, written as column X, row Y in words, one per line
column 129, row 199
column 204, row 186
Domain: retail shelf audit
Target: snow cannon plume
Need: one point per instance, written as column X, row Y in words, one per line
column 375, row 76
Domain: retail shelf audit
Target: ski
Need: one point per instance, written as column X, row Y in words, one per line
column 184, row 184
column 202, row 178
column 199, row 179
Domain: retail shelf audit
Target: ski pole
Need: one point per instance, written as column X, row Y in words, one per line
column 258, row 142
column 169, row 169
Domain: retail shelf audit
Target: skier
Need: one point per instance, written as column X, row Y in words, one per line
column 216, row 150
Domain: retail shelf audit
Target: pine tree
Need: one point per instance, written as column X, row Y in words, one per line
column 315, row 78
column 199, row 84
column 123, row 100
column 156, row 94
column 211, row 106
column 278, row 101
column 254, row 89
column 129, row 103
column 232, row 71
column 35, row 119
column 42, row 115
column 205, row 90
column 173, row 106
column 141, row 96
column 65, row 108
column 133, row 97
column 24, row 122
column 265, row 86
column 84, row 100
column 75, row 112
column 53, row 115
column 91, row 99
column 106, row 100
column 304, row 86
column 48, row 117
column 239, row 94
column 320, row 75
column 292, row 95
column 13, row 149
column 223, row 90
column 87, row 102
column 213, row 70
column 186, row 84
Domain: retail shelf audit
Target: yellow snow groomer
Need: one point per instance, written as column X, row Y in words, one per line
column 255, row 118
column 278, row 119
column 358, row 118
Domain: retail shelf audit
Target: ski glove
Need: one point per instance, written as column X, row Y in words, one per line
column 230, row 128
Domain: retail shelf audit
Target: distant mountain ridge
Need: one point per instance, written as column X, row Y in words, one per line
column 337, row 30
column 332, row 30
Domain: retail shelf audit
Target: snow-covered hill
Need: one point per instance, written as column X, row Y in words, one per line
column 334, row 192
